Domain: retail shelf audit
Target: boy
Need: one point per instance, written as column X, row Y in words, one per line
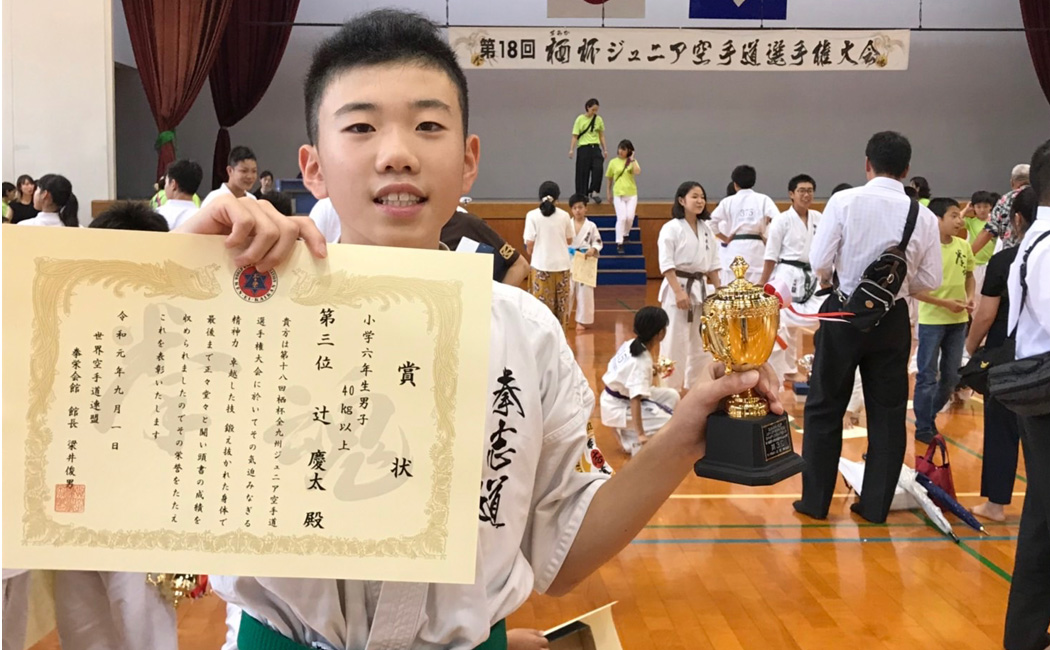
column 181, row 182
column 740, row 221
column 266, row 184
column 975, row 215
column 114, row 609
column 387, row 117
column 943, row 316
column 241, row 172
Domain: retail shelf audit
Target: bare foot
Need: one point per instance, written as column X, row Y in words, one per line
column 990, row 511
column 795, row 376
column 580, row 327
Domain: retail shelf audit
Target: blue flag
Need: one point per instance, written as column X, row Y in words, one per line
column 738, row 9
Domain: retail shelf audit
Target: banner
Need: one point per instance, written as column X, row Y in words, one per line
column 532, row 48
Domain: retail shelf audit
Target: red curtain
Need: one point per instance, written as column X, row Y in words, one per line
column 251, row 50
column 175, row 43
column 1036, row 17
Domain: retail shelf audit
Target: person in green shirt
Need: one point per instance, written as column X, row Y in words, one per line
column 10, row 194
column 588, row 139
column 975, row 215
column 623, row 189
column 922, row 189
column 943, row 316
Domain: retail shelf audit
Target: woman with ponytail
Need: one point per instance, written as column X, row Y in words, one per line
column 548, row 235
column 55, row 202
column 632, row 405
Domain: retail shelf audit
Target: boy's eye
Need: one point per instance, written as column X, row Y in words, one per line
column 430, row 127
column 359, row 128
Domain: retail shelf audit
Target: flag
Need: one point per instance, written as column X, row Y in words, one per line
column 738, row 9
column 594, row 8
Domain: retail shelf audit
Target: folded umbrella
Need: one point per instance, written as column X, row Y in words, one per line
column 909, row 484
column 950, row 503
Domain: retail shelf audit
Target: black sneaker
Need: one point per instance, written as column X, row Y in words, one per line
column 620, row 249
column 925, row 437
column 597, row 198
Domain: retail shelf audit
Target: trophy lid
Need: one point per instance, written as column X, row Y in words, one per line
column 741, row 289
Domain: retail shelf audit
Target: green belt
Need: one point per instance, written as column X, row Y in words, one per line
column 254, row 635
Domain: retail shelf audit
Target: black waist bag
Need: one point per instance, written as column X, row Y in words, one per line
column 881, row 281
column 1023, row 386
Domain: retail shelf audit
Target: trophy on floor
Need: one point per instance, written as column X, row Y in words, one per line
column 746, row 444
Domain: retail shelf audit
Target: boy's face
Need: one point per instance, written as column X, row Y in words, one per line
column 952, row 221
column 266, row 184
column 579, row 210
column 983, row 211
column 391, row 154
column 243, row 175
column 592, row 111
column 802, row 196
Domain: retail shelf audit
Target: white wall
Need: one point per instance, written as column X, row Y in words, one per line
column 970, row 103
column 58, row 94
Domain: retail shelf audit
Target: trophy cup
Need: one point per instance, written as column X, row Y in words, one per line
column 746, row 444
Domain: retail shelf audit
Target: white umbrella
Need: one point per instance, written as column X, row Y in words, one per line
column 853, row 473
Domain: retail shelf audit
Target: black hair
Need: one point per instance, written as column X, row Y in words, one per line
column 375, row 38
column 130, row 215
column 801, row 178
column 677, row 211
column 22, row 179
column 8, row 187
column 911, row 192
column 578, row 198
column 995, row 197
column 940, row 205
column 648, row 323
column 280, row 201
column 239, row 153
column 841, row 186
column 1025, row 203
column 61, row 191
column 922, row 186
column 730, row 189
column 982, row 196
column 889, row 153
column 186, row 174
column 266, row 173
column 628, row 145
column 1039, row 173
column 548, row 189
column 590, row 102
column 744, row 176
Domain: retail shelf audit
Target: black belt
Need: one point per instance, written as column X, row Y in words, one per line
column 690, row 279
column 644, row 399
column 797, row 264
column 587, row 145
column 747, row 236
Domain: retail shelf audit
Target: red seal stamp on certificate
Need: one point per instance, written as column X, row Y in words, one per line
column 254, row 286
column 69, row 498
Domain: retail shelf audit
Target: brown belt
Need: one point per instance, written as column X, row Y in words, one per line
column 690, row 279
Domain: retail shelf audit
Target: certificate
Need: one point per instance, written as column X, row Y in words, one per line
column 585, row 269
column 166, row 411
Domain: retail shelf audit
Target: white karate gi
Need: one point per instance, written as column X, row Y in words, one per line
column 744, row 213
column 628, row 377
column 109, row 610
column 176, row 211
column 219, row 191
column 789, row 239
column 16, row 608
column 683, row 250
column 587, row 238
column 326, row 219
column 528, row 521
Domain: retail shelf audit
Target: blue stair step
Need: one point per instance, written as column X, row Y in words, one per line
column 621, row 262
column 606, row 278
column 608, row 221
column 629, row 248
column 609, row 235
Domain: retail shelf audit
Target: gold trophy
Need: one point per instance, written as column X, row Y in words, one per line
column 746, row 444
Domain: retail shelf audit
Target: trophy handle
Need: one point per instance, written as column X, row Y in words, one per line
column 720, row 332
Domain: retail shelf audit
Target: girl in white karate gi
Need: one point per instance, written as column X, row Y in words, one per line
column 631, row 404
column 688, row 253
column 588, row 241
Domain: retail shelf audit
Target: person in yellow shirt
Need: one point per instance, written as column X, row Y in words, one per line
column 588, row 141
column 623, row 189
column 943, row 317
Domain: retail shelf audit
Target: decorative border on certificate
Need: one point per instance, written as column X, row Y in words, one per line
column 53, row 290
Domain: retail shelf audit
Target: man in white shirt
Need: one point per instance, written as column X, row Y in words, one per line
column 241, row 173
column 740, row 222
column 787, row 260
column 1028, row 612
column 180, row 184
column 857, row 226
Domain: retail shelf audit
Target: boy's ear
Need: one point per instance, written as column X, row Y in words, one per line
column 313, row 176
column 471, row 158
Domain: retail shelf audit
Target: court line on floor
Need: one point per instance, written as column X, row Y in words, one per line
column 793, row 496
column 825, row 540
column 626, row 306
column 995, row 568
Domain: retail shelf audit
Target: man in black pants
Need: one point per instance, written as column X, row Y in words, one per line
column 858, row 225
column 588, row 135
column 1028, row 613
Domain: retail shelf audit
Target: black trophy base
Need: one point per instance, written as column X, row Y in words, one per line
column 749, row 451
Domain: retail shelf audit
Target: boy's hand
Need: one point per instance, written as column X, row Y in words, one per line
column 522, row 639
column 262, row 236
column 971, row 305
column 591, row 252
column 968, row 210
column 954, row 306
column 681, row 299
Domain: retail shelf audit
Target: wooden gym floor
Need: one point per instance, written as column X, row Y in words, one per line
column 725, row 566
